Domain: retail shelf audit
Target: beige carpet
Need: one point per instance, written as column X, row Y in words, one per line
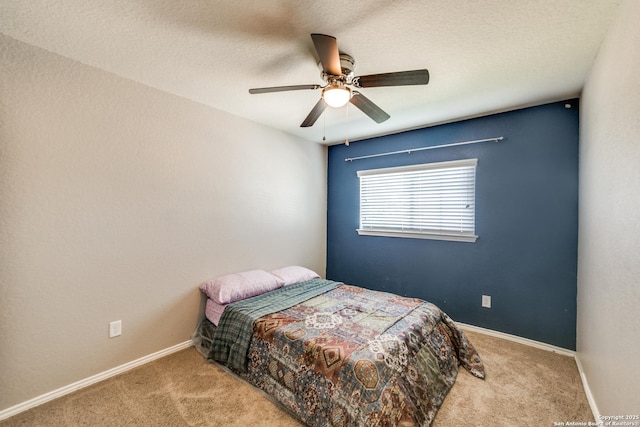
column 524, row 387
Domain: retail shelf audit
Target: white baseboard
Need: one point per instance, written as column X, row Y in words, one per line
column 39, row 400
column 521, row 340
column 543, row 346
column 587, row 390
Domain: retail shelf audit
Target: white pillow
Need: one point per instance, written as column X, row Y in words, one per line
column 294, row 274
column 237, row 286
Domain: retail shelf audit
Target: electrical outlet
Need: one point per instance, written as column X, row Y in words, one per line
column 115, row 328
column 486, row 301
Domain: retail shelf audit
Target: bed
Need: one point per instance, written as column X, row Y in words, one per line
column 335, row 354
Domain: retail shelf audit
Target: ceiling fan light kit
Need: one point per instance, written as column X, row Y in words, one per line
column 336, row 95
column 337, row 72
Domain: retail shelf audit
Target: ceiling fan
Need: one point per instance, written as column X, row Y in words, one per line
column 337, row 72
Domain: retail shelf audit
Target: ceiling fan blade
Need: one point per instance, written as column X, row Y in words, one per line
column 282, row 88
column 400, row 78
column 369, row 108
column 327, row 48
column 317, row 111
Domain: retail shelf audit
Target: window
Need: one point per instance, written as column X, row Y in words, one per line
column 427, row 201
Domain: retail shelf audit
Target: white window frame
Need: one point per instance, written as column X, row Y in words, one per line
column 440, row 206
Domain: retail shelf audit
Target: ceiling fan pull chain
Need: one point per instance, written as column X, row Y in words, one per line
column 324, row 127
column 346, row 140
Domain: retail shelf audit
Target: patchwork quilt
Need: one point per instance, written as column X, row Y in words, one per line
column 341, row 355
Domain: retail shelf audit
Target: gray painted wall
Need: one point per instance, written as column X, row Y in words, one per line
column 609, row 243
column 116, row 201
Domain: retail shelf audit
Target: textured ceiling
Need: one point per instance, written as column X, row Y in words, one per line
column 483, row 55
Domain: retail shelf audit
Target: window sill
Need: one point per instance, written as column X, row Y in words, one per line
column 410, row 235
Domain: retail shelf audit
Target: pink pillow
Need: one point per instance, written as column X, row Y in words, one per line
column 235, row 287
column 294, row 274
column 213, row 311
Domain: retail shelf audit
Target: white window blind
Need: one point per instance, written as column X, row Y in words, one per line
column 432, row 201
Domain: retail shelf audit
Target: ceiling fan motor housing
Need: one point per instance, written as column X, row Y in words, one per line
column 347, row 66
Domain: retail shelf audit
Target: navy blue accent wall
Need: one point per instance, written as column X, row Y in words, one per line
column 526, row 218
